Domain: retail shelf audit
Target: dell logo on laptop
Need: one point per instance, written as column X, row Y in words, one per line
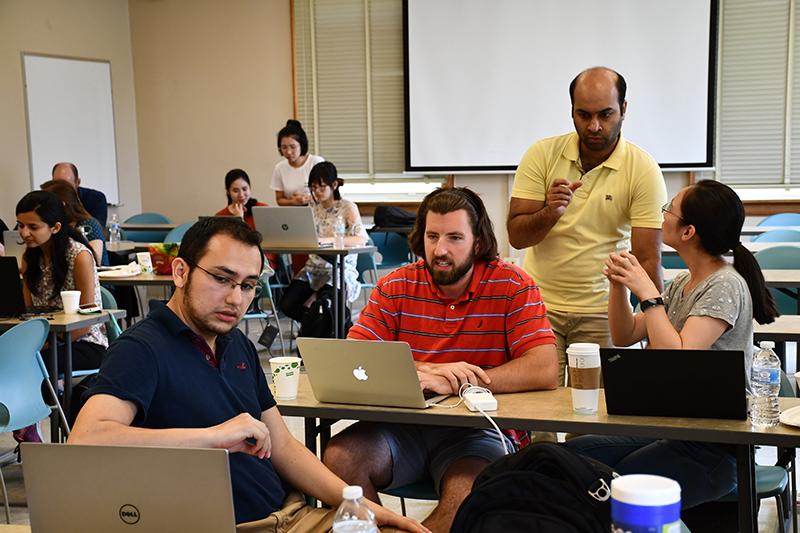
column 129, row 514
column 360, row 374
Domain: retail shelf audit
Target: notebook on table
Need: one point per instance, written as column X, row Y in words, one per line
column 286, row 227
column 120, row 489
column 679, row 383
column 380, row 373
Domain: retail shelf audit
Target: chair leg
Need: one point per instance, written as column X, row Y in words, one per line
column 403, row 506
column 781, row 516
column 62, row 417
column 5, row 497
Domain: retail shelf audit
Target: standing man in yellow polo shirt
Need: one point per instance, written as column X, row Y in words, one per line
column 580, row 196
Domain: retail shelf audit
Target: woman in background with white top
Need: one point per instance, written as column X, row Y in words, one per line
column 290, row 177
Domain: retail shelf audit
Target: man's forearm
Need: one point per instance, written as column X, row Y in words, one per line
column 303, row 471
column 529, row 229
column 533, row 371
column 652, row 265
column 115, row 433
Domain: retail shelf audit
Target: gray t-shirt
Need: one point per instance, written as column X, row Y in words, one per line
column 723, row 295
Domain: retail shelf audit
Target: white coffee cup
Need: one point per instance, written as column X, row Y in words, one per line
column 584, row 376
column 285, row 376
column 71, row 301
column 145, row 261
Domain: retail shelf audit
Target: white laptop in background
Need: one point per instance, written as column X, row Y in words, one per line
column 283, row 227
column 122, row 489
column 13, row 244
column 363, row 372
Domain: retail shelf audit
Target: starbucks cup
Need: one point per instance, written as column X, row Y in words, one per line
column 584, row 376
column 641, row 503
column 285, row 376
column 71, row 301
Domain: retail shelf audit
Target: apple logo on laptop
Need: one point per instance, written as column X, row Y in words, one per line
column 360, row 374
column 285, row 227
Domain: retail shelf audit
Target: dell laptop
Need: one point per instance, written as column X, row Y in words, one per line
column 362, row 372
column 679, row 383
column 121, row 489
column 286, row 227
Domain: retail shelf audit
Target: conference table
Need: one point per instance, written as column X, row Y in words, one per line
column 552, row 411
column 337, row 256
column 66, row 323
column 138, row 226
column 144, row 279
column 754, row 247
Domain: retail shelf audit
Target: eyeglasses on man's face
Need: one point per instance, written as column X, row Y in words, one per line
column 249, row 288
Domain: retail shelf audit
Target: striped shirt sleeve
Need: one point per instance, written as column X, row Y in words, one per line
column 527, row 325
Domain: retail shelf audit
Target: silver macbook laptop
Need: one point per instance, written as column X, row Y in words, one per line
column 13, row 244
column 363, row 372
column 75, row 489
column 283, row 227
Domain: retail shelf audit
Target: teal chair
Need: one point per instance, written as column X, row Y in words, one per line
column 393, row 248
column 781, row 257
column 113, row 330
column 773, row 481
column 366, row 265
column 419, row 490
column 778, row 235
column 176, row 234
column 146, row 236
column 257, row 312
column 22, row 373
column 781, row 219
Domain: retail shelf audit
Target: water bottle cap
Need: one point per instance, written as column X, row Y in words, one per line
column 352, row 492
column 767, row 345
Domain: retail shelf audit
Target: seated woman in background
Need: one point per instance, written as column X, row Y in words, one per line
column 290, row 176
column 80, row 218
column 711, row 306
column 240, row 203
column 57, row 258
column 314, row 279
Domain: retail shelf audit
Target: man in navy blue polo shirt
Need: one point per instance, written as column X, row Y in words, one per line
column 187, row 376
column 93, row 200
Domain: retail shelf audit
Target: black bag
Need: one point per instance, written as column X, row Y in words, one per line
column 391, row 216
column 318, row 318
column 544, row 487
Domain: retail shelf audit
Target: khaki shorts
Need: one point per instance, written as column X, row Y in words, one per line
column 577, row 327
column 295, row 517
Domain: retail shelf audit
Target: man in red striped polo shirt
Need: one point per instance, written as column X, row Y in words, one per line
column 469, row 318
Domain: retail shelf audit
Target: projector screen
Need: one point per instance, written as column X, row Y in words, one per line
column 485, row 79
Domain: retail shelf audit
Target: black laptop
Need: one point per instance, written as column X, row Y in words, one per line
column 680, row 383
column 12, row 304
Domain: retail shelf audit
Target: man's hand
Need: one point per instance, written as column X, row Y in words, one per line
column 435, row 383
column 385, row 517
column 559, row 195
column 243, row 433
column 625, row 269
column 457, row 374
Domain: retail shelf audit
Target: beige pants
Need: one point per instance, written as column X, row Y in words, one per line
column 295, row 517
column 577, row 327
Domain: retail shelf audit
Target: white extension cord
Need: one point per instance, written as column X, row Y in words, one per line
column 478, row 399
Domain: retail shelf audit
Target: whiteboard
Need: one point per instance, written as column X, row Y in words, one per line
column 487, row 78
column 70, row 114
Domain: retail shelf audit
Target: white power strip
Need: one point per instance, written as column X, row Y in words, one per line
column 480, row 400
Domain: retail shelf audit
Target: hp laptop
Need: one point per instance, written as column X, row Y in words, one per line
column 363, row 372
column 286, row 227
column 116, row 489
column 680, row 383
column 13, row 244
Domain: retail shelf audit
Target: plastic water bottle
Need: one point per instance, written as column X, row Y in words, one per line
column 765, row 380
column 353, row 515
column 113, row 229
column 339, row 230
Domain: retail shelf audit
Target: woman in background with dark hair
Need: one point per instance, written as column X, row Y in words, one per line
column 315, row 276
column 241, row 204
column 57, row 258
column 710, row 307
column 290, row 176
column 80, row 218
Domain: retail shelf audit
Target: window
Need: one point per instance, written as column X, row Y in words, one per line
column 758, row 120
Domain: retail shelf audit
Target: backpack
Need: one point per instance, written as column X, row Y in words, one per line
column 543, row 488
column 391, row 216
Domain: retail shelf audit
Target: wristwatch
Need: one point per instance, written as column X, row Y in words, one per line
column 651, row 302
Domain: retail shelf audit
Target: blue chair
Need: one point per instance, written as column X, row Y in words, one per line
column 364, row 265
column 781, row 257
column 176, row 234
column 778, row 235
column 393, row 248
column 781, row 219
column 22, row 373
column 419, row 490
column 146, row 236
column 256, row 312
column 113, row 330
